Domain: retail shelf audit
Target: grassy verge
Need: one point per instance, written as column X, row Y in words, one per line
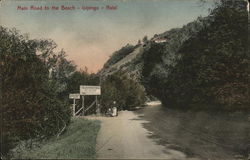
column 78, row 141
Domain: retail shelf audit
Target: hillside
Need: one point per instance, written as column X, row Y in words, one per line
column 130, row 63
column 131, row 59
column 204, row 64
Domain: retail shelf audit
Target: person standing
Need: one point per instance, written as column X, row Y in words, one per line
column 114, row 109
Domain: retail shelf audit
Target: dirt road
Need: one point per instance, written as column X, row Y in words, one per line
column 125, row 137
column 155, row 132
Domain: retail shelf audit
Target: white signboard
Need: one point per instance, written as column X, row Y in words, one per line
column 90, row 90
column 74, row 96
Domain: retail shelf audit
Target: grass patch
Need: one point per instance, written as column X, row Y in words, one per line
column 78, row 141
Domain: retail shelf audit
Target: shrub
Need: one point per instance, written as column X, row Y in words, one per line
column 213, row 68
column 120, row 88
column 29, row 102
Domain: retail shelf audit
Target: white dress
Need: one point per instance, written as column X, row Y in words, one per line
column 114, row 111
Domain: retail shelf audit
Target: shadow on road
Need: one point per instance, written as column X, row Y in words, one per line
column 198, row 134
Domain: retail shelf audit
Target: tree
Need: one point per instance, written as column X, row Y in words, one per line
column 120, row 88
column 212, row 66
column 139, row 42
column 30, row 105
column 145, row 39
column 61, row 71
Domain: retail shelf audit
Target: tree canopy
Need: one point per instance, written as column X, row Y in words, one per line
column 210, row 69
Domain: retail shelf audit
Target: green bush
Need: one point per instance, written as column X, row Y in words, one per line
column 120, row 88
column 213, row 68
column 30, row 105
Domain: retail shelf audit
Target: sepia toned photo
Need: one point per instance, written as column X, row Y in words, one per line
column 125, row 79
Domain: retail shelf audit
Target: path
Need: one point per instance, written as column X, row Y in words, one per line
column 125, row 137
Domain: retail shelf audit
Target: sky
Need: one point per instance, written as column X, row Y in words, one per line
column 89, row 37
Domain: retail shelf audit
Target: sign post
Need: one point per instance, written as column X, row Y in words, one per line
column 83, row 109
column 74, row 97
column 90, row 91
column 98, row 112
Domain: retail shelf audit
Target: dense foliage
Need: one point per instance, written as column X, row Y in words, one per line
column 210, row 69
column 127, row 93
column 82, row 77
column 33, row 82
column 35, row 85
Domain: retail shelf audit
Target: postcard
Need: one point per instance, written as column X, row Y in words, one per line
column 125, row 79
